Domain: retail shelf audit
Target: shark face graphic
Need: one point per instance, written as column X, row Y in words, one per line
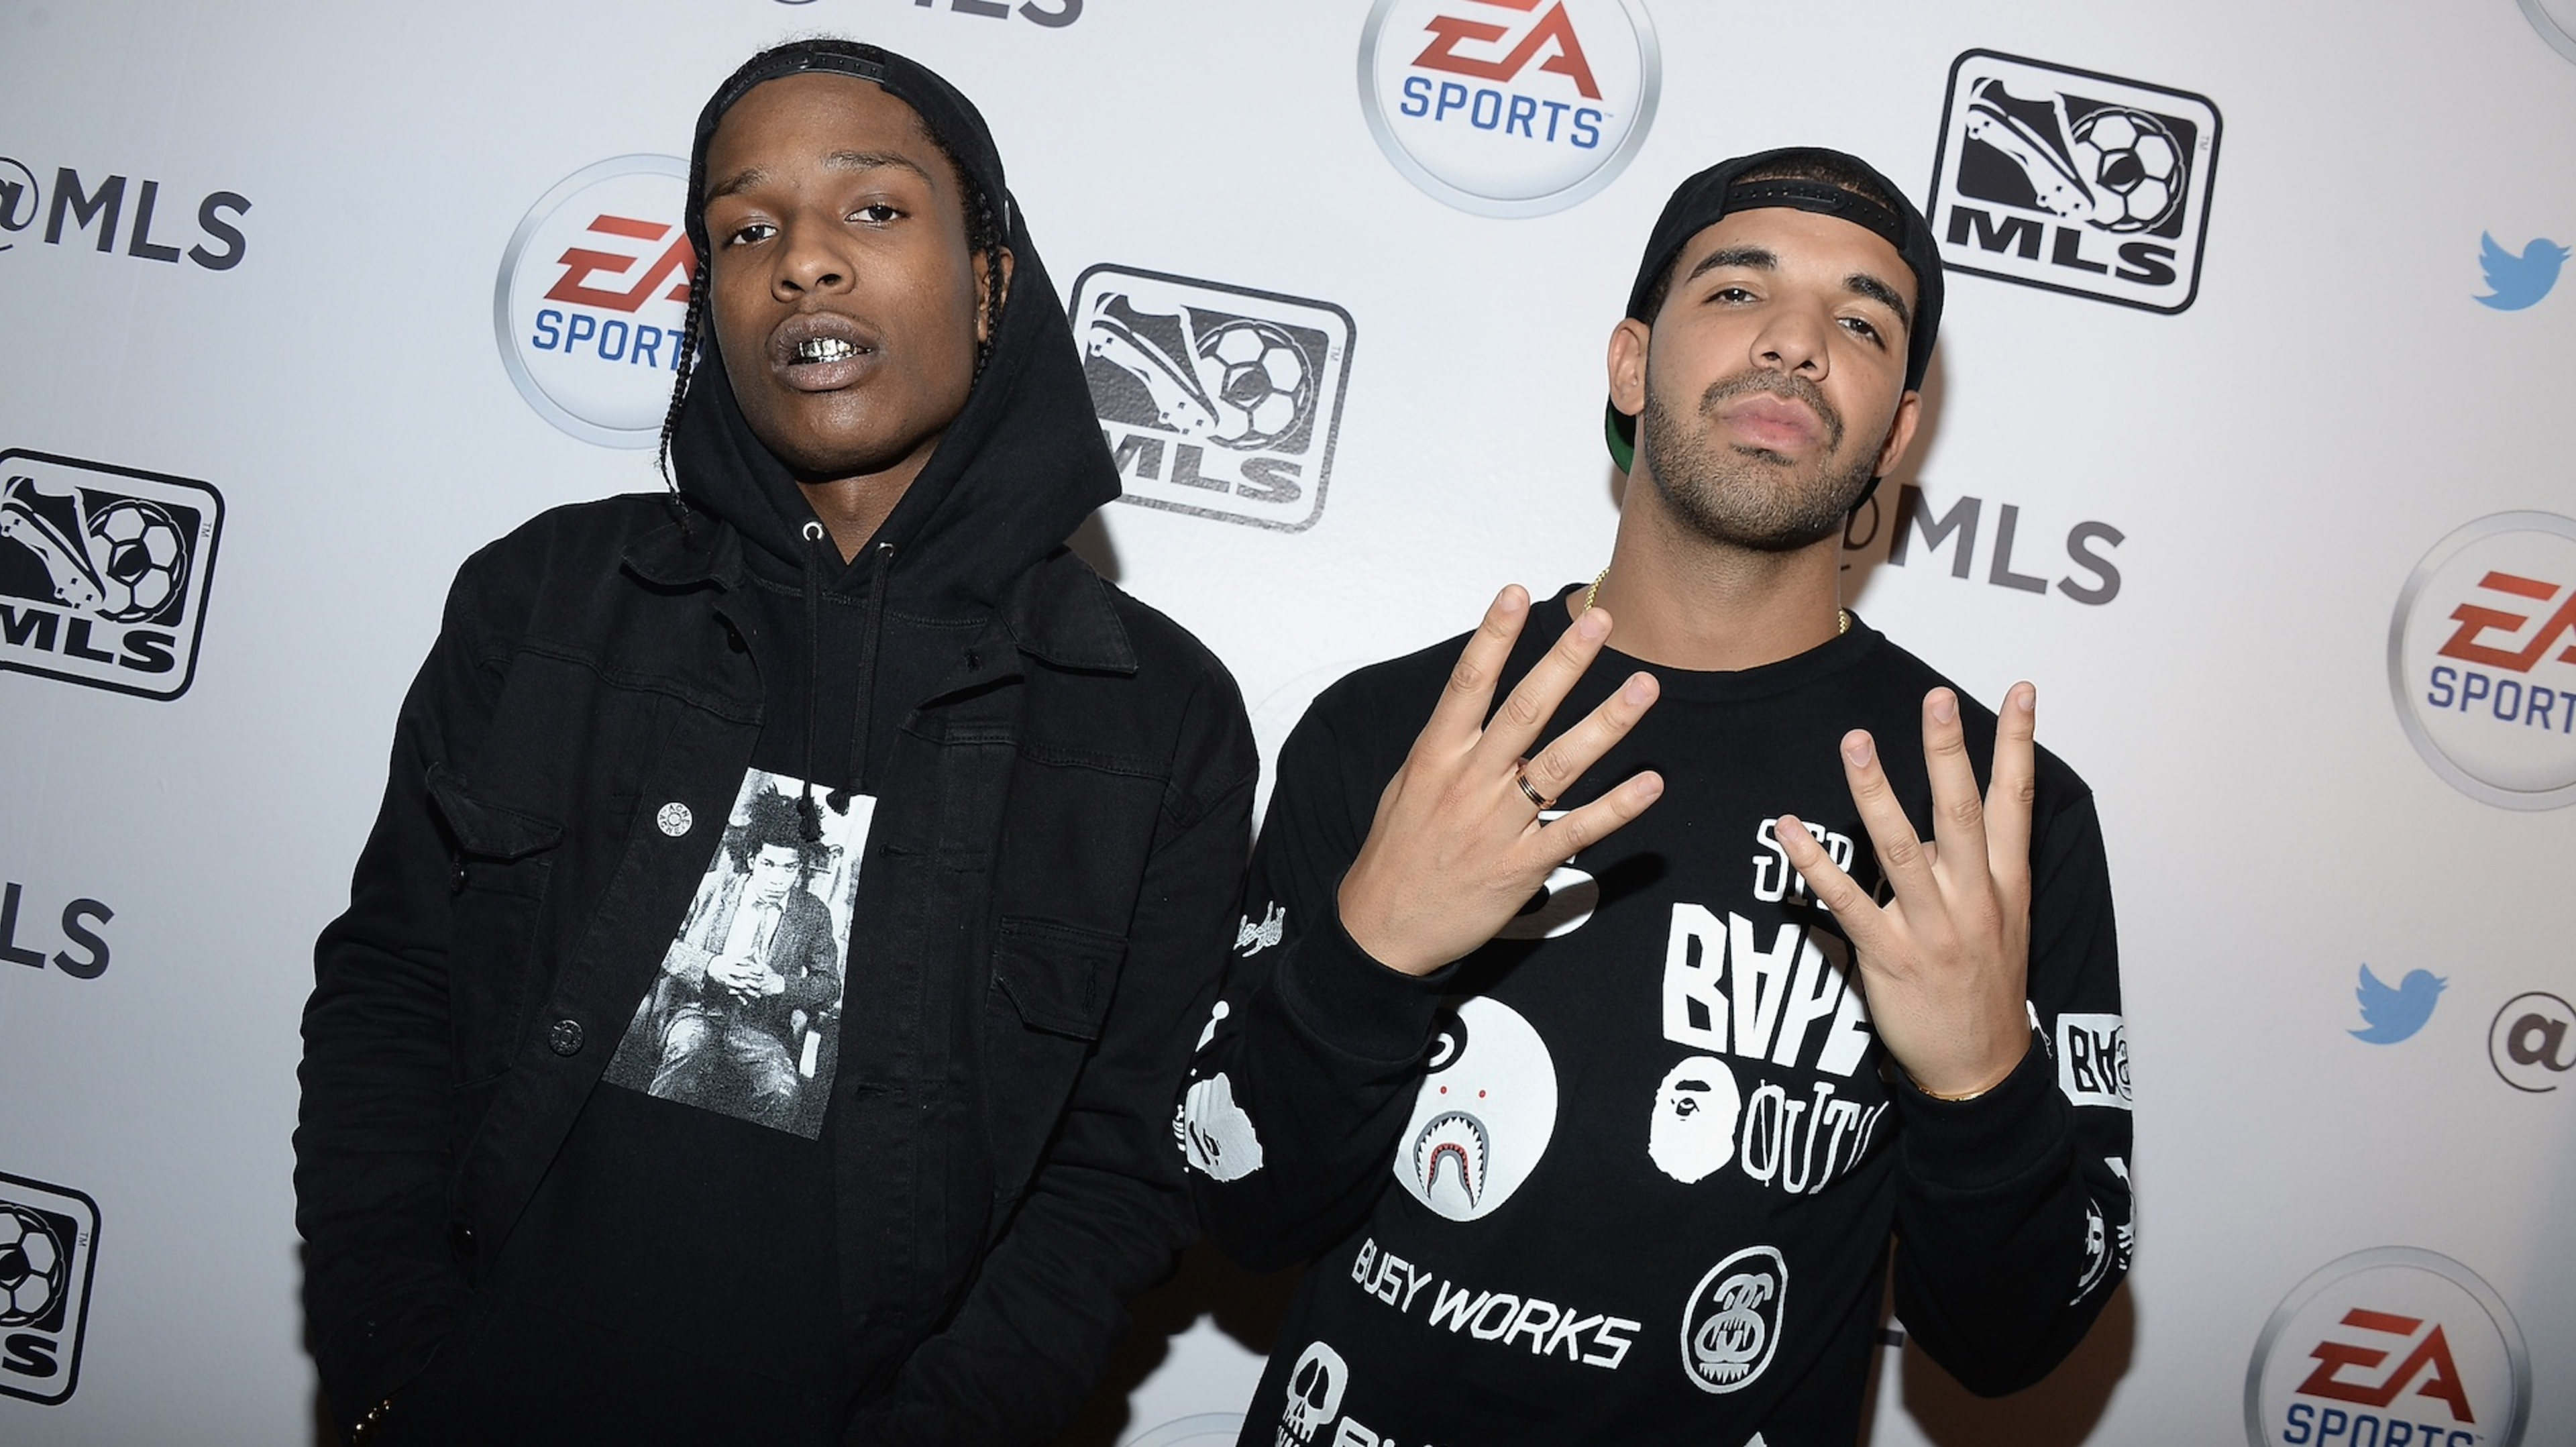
column 1484, row 1114
column 1450, row 1156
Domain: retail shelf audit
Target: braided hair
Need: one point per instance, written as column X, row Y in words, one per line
column 985, row 240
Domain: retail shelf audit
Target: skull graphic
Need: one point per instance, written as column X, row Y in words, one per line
column 1314, row 1394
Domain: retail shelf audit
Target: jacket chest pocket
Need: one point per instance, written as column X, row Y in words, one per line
column 497, row 874
column 1042, row 1016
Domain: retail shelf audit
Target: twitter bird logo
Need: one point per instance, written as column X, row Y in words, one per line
column 2390, row 1015
column 2515, row 282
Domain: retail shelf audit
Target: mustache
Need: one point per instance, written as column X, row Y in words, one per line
column 1779, row 384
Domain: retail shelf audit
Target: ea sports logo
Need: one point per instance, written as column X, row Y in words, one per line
column 2482, row 660
column 1509, row 107
column 2389, row 1345
column 593, row 292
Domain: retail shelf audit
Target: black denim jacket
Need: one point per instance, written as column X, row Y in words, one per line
column 1059, row 837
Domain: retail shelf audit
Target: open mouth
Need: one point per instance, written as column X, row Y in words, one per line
column 1449, row 1158
column 826, row 349
column 821, row 352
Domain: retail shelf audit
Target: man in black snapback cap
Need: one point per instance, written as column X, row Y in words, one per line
column 1595, row 1067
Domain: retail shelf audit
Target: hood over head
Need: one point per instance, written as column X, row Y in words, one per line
column 1021, row 465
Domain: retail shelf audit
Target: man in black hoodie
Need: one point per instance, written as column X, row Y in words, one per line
column 1590, row 1070
column 1022, row 801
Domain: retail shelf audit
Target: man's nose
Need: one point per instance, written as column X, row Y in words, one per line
column 1793, row 341
column 805, row 264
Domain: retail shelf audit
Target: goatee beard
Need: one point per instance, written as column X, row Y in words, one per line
column 1745, row 497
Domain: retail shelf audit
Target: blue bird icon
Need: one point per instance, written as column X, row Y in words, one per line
column 2391, row 1015
column 2515, row 282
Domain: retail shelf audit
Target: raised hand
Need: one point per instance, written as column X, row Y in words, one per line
column 1946, row 963
column 1457, row 847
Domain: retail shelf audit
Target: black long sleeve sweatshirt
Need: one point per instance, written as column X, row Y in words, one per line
column 1630, row 1172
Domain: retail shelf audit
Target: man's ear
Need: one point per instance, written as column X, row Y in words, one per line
column 1900, row 433
column 988, row 298
column 1628, row 365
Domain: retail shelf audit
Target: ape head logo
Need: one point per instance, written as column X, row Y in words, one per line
column 1692, row 1133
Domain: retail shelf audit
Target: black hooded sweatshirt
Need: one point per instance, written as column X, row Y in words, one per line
column 892, row 1178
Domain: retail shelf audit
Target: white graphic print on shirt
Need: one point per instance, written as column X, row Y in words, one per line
column 1216, row 1136
column 1483, row 1115
column 1731, row 1328
column 744, row 1016
column 1315, row 1391
column 1693, row 1130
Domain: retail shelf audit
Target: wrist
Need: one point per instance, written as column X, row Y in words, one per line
column 1964, row 1085
column 1363, row 926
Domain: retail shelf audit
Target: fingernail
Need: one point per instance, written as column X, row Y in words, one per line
column 1639, row 689
column 1652, row 786
column 1945, row 706
column 1593, row 625
column 2027, row 697
column 1510, row 599
column 1856, row 748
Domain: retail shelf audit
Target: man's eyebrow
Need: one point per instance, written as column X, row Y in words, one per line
column 872, row 160
column 751, row 176
column 1752, row 257
column 1864, row 284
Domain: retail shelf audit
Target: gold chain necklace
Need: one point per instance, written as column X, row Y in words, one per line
column 1592, row 595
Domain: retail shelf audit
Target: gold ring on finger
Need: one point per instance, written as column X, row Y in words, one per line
column 1529, row 791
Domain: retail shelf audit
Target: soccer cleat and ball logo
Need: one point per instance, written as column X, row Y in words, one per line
column 103, row 572
column 2074, row 181
column 1215, row 400
column 592, row 297
column 2482, row 660
column 47, row 1237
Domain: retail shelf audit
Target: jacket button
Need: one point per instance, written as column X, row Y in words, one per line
column 565, row 1037
column 674, row 819
column 461, row 1237
column 456, row 878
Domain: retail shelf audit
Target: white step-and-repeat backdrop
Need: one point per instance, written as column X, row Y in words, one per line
column 2247, row 439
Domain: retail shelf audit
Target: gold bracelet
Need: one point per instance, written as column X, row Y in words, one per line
column 1953, row 1099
